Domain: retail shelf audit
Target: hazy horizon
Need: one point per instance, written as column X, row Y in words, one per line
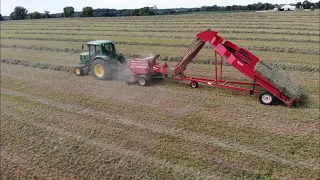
column 7, row 6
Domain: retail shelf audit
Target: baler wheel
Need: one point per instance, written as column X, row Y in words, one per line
column 101, row 69
column 194, row 84
column 143, row 80
column 266, row 98
column 79, row 71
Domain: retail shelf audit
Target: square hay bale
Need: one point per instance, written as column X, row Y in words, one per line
column 192, row 51
column 285, row 85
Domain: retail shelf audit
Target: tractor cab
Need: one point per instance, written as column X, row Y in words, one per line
column 102, row 48
column 101, row 53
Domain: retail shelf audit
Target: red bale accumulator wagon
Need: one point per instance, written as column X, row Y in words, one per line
column 273, row 83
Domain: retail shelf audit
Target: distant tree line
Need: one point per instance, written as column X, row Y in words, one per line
column 257, row 7
column 69, row 11
column 308, row 5
column 145, row 11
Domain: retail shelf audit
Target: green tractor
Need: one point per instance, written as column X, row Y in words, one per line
column 101, row 60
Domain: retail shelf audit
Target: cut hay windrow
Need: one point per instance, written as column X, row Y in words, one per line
column 170, row 30
column 174, row 26
column 187, row 20
column 255, row 48
column 287, row 86
column 40, row 65
column 135, row 25
column 164, row 57
column 167, row 36
column 43, row 48
column 301, row 26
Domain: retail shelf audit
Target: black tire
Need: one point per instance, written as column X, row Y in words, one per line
column 266, row 98
column 128, row 82
column 78, row 71
column 101, row 69
column 194, row 84
column 143, row 80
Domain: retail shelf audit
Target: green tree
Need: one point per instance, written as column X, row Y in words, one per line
column 87, row 12
column 1, row 18
column 35, row 15
column 19, row 13
column 317, row 4
column 306, row 4
column 46, row 14
column 298, row 5
column 68, row 11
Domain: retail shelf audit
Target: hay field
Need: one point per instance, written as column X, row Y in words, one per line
column 55, row 125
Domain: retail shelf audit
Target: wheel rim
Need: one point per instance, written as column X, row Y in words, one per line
column 77, row 71
column 98, row 70
column 142, row 81
column 193, row 84
column 267, row 98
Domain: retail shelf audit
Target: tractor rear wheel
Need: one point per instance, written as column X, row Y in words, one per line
column 79, row 71
column 101, row 69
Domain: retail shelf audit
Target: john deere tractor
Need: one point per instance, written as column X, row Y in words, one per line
column 101, row 60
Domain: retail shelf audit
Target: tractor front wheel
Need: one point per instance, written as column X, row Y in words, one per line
column 101, row 69
column 79, row 71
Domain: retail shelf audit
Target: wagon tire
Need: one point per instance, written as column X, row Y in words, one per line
column 266, row 98
column 194, row 84
column 143, row 80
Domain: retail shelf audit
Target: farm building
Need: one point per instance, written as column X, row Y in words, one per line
column 287, row 8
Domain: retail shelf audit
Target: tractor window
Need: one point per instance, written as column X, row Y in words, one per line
column 108, row 48
column 97, row 50
column 94, row 51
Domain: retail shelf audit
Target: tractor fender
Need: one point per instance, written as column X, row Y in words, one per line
column 106, row 58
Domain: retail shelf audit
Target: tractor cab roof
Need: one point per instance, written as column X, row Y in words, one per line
column 98, row 42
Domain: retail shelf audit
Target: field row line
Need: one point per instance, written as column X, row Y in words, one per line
column 204, row 27
column 168, row 36
column 166, row 30
column 186, row 19
column 207, row 60
column 176, row 23
column 172, row 132
column 254, row 48
column 174, row 26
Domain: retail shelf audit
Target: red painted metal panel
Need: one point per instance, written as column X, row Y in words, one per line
column 215, row 41
column 254, row 59
column 242, row 57
column 206, row 36
column 222, row 51
column 141, row 70
column 231, row 45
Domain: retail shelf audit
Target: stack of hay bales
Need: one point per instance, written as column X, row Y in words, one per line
column 192, row 51
column 285, row 85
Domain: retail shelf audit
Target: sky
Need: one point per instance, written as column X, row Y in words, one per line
column 56, row 6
